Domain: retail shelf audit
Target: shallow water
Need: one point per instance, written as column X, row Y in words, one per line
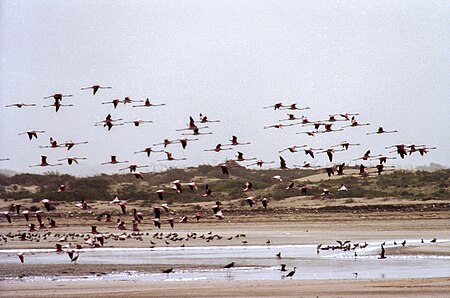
column 252, row 262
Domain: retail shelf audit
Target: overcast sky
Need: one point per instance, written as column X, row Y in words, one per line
column 388, row 61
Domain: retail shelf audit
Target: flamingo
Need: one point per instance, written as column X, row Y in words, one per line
column 218, row 148
column 343, row 188
column 234, row 142
column 177, row 186
column 291, row 117
column 292, row 149
column 53, row 144
column 133, row 167
column 95, row 88
column 250, row 201
column 282, row 163
column 69, row 144
column 147, row 103
column 264, row 203
column 72, row 159
column 346, row 116
column 183, row 141
column 401, row 149
column 208, row 191
column 148, row 150
column 276, row 106
column 113, row 161
column 192, row 186
column 171, row 158
column 7, row 216
column 138, row 122
column 204, row 119
column 346, row 144
column 115, row 102
column 44, row 163
column 328, row 128
column 109, row 122
column 278, row 177
column 4, row 159
column 363, row 171
column 280, row 125
column 355, row 123
column 316, row 124
column 57, row 105
column 424, row 150
column 307, row 165
column 382, row 158
column 240, row 157
column 224, row 168
column 367, row 155
column 332, row 118
column 167, row 142
column 129, row 100
column 47, row 203
column 413, row 148
column 19, row 105
column 21, row 257
column 330, row 171
column 330, row 152
column 260, row 163
column 138, row 175
column 380, row 130
column 58, row 96
column 248, row 186
column 309, row 133
column 294, row 107
column 196, row 132
column 32, row 133
column 310, row 151
column 340, row 169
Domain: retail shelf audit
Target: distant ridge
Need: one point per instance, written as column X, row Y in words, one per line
column 8, row 173
column 431, row 167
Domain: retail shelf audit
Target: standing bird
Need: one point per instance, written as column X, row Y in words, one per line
column 32, row 133
column 95, row 88
column 291, row 274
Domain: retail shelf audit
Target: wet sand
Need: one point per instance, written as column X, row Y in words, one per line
column 282, row 228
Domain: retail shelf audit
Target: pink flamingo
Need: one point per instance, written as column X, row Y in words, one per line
column 381, row 130
column 148, row 151
column 95, row 88
column 147, row 104
column 115, row 102
column 138, row 122
column 293, row 148
column 72, row 159
column 19, row 105
column 114, row 161
column 32, row 133
column 44, row 163
column 171, row 158
column 218, row 148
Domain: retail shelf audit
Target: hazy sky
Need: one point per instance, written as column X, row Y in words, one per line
column 388, row 61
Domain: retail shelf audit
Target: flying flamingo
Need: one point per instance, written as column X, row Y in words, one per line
column 19, row 105
column 310, row 151
column 329, row 129
column 21, row 256
column 138, row 175
column 44, row 163
column 234, row 142
column 218, row 148
column 345, row 145
column 115, row 102
column 177, row 186
column 184, row 141
column 380, row 168
column 412, row 148
column 383, row 158
column 138, row 122
column 280, row 125
column 316, row 124
column 58, row 96
column 108, row 122
column 291, row 117
column 332, row 118
column 192, row 186
column 129, row 100
column 53, row 144
column 282, row 163
column 114, row 161
column 292, row 149
column 240, row 157
column 276, row 106
column 250, row 201
column 307, row 165
column 133, row 167
column 47, row 203
column 95, row 88
column 346, row 116
column 208, row 191
column 147, row 103
column 148, row 150
column 72, row 159
column 204, row 119
column 32, row 133
column 7, row 216
column 424, row 150
column 330, row 152
column 57, row 105
column 294, row 107
column 401, row 149
column 381, row 130
column 355, row 123
column 309, row 133
column 70, row 144
column 260, row 163
column 367, row 155
column 196, row 132
column 248, row 186
column 167, row 142
column 224, row 169
column 171, row 158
